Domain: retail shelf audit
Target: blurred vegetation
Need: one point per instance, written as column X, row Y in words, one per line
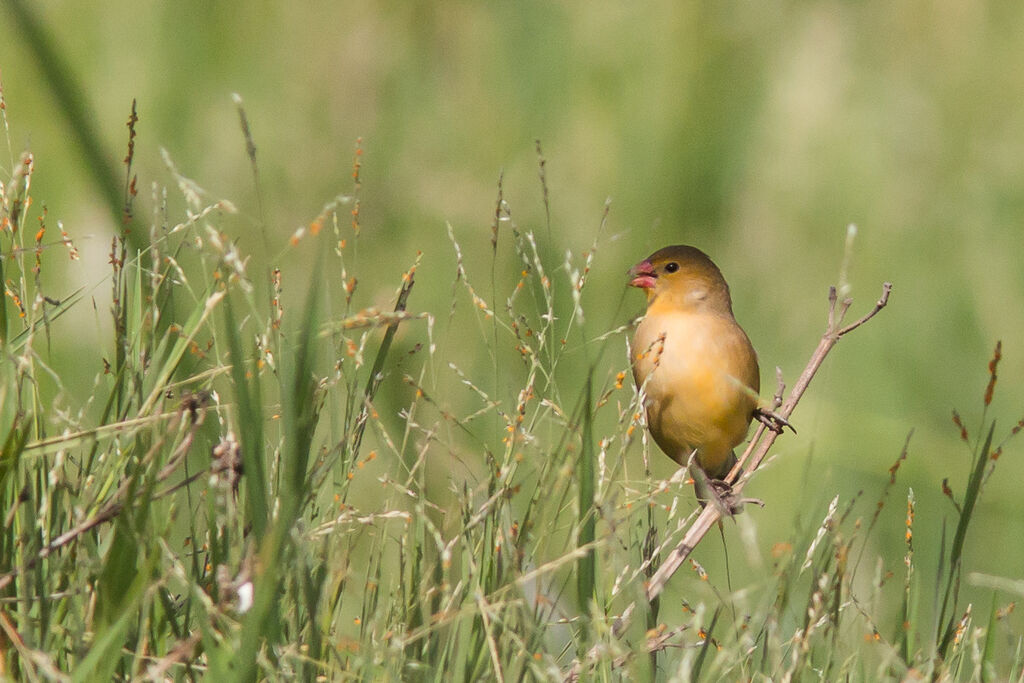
column 756, row 133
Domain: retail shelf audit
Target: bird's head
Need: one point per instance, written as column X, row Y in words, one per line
column 682, row 276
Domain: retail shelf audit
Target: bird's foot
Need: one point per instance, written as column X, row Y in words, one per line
column 728, row 502
column 772, row 420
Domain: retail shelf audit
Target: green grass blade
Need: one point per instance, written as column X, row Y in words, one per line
column 103, row 657
column 698, row 666
column 250, row 426
column 971, row 498
column 941, row 595
column 298, row 409
column 988, row 665
column 377, row 372
column 298, row 413
column 585, row 569
column 3, row 308
column 13, row 446
column 956, row 550
column 195, row 322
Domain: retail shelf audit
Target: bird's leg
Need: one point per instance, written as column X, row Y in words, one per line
column 772, row 420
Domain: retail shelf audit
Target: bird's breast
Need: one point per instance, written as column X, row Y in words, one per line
column 700, row 376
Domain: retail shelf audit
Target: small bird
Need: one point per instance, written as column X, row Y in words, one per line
column 695, row 364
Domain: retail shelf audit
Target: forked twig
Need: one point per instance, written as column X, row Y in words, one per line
column 764, row 438
column 759, row 446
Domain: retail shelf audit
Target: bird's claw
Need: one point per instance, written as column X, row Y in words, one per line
column 772, row 420
column 727, row 501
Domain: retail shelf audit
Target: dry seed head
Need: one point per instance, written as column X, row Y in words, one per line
column 826, row 525
column 910, row 519
column 1017, row 427
column 962, row 626
column 701, row 573
column 960, row 425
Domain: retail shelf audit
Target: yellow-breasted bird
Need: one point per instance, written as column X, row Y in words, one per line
column 695, row 363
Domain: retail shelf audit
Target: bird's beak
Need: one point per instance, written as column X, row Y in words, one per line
column 642, row 275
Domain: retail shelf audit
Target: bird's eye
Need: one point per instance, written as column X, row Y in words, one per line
column 671, row 267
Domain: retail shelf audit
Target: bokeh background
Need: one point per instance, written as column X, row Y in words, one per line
column 758, row 132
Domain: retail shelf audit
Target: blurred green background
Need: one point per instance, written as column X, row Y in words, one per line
column 755, row 131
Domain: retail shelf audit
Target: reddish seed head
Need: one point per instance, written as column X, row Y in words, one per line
column 960, row 425
column 992, row 365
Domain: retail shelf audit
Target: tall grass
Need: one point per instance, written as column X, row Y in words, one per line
column 259, row 486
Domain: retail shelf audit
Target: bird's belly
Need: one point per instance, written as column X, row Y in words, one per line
column 701, row 414
column 696, row 375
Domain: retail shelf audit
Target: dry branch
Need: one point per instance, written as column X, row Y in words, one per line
column 755, row 453
column 764, row 438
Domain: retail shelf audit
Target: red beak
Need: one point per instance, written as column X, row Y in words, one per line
column 642, row 275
